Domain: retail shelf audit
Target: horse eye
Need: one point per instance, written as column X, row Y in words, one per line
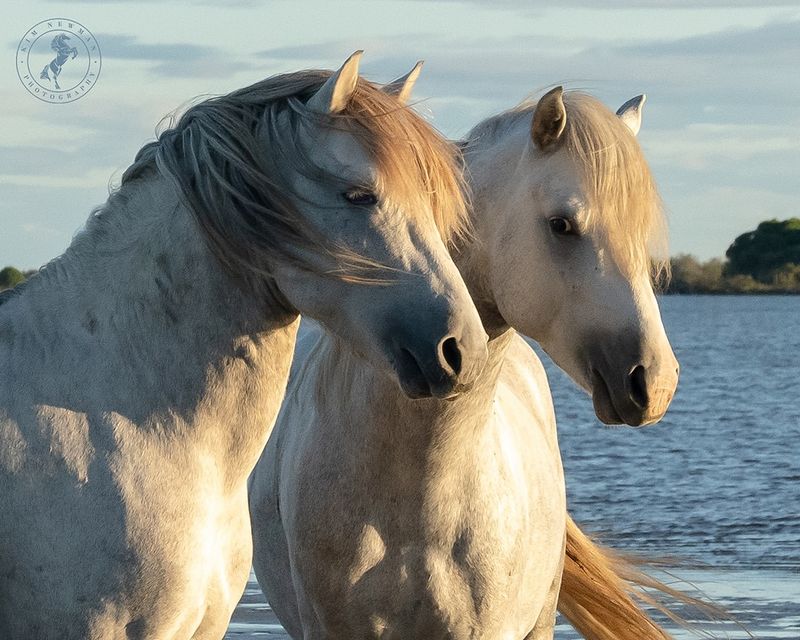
column 561, row 226
column 360, row 197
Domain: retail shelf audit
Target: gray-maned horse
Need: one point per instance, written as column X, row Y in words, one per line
column 377, row 517
column 142, row 370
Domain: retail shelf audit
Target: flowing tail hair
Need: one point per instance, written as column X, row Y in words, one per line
column 603, row 592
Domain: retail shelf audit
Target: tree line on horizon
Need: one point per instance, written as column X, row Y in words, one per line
column 765, row 260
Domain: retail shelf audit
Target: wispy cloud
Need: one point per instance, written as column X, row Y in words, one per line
column 130, row 48
column 704, row 146
column 179, row 60
column 774, row 38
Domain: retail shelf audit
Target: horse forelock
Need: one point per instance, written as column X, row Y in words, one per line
column 229, row 155
column 625, row 206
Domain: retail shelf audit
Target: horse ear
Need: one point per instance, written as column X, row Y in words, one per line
column 333, row 96
column 631, row 113
column 549, row 119
column 404, row 85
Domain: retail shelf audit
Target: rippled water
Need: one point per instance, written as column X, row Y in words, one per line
column 717, row 482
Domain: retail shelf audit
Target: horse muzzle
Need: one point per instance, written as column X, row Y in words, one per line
column 639, row 398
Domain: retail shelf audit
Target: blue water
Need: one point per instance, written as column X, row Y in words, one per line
column 715, row 486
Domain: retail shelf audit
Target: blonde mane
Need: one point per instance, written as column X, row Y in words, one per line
column 617, row 179
column 231, row 155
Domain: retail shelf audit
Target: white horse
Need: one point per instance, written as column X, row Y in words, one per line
column 142, row 370
column 377, row 517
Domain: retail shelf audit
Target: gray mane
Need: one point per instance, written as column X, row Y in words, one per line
column 229, row 157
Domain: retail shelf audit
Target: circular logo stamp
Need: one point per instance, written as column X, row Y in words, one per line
column 58, row 60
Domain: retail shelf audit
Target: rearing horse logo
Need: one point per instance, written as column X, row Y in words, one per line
column 77, row 53
column 63, row 51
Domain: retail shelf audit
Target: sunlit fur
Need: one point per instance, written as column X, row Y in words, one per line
column 240, row 196
column 617, row 177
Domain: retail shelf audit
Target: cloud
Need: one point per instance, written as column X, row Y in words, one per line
column 129, row 48
column 703, row 145
column 774, row 38
column 320, row 51
column 174, row 60
column 23, row 131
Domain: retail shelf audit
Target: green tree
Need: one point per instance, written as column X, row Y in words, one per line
column 760, row 253
column 10, row 277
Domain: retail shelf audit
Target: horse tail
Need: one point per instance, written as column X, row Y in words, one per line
column 602, row 593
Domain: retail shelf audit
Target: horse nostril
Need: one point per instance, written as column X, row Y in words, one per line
column 450, row 354
column 638, row 387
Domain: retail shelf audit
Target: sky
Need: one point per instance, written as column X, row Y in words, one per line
column 721, row 125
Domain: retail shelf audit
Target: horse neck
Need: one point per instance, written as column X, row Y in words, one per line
column 423, row 434
column 488, row 159
column 139, row 311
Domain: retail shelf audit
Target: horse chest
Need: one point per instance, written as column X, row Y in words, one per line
column 473, row 556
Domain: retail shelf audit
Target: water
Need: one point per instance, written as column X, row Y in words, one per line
column 715, row 485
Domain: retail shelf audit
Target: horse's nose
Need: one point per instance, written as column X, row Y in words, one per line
column 441, row 368
column 650, row 389
column 459, row 359
column 450, row 355
column 464, row 353
column 637, row 387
